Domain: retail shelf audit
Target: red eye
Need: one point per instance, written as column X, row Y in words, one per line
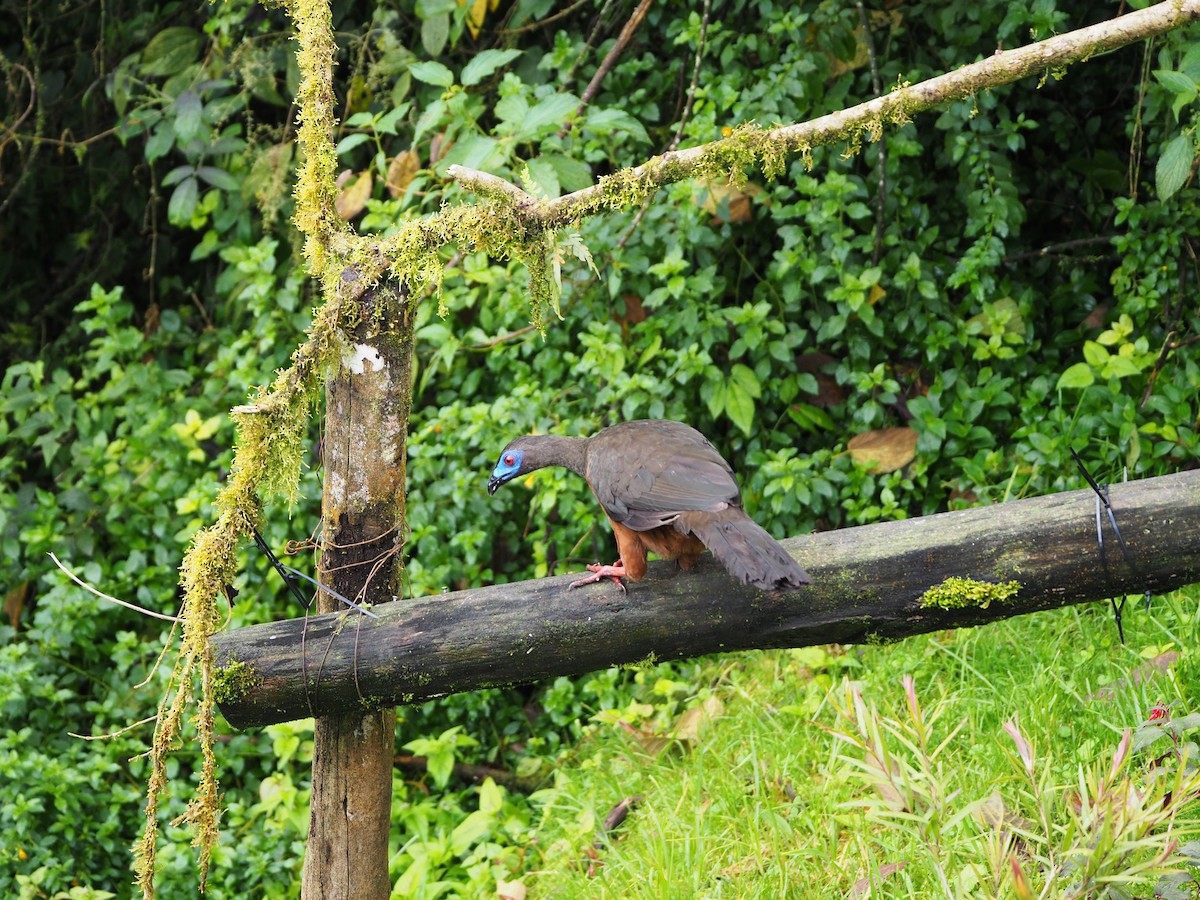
column 510, row 460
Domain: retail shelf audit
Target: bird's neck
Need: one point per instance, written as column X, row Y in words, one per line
column 557, row 450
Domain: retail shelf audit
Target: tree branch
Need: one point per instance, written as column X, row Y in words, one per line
column 767, row 147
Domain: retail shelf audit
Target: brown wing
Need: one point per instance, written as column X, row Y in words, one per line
column 646, row 473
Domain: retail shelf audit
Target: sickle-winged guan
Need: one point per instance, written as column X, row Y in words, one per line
column 665, row 489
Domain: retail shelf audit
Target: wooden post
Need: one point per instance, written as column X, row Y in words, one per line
column 869, row 583
column 368, row 400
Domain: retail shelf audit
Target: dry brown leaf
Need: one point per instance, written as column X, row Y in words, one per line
column 862, row 887
column 1096, row 318
column 829, row 392
column 14, row 602
column 725, row 202
column 649, row 742
column 992, row 813
column 634, row 310
column 401, row 171
column 618, row 813
column 885, row 450
column 352, row 199
column 1147, row 670
column 689, row 725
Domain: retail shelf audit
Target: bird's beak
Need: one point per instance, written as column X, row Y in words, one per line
column 494, row 483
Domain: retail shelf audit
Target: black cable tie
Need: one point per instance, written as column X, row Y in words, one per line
column 1103, row 501
column 289, row 576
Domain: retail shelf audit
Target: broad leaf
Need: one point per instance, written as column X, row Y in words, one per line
column 432, row 72
column 484, row 64
column 1174, row 166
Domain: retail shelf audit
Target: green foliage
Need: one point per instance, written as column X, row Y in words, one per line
column 1026, row 290
column 963, row 764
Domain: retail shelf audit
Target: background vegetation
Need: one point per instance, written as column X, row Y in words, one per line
column 1011, row 278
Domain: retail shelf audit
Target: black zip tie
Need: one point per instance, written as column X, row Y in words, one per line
column 1103, row 501
column 289, row 576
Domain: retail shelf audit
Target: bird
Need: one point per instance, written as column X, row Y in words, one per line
column 665, row 489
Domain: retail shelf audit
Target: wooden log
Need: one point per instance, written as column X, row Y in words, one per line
column 869, row 585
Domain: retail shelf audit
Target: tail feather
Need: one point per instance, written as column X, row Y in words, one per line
column 745, row 550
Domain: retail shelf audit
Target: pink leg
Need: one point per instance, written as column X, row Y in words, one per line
column 616, row 572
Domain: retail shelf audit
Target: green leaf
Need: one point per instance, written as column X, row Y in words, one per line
column 650, row 352
column 713, row 393
column 573, row 174
column 431, row 72
column 1174, row 166
column 440, row 766
column 189, row 115
column 484, row 64
column 512, row 109
column 434, row 32
column 811, row 418
column 1095, row 354
column 544, row 178
column 218, row 178
column 474, row 151
column 171, row 51
column 1177, row 83
column 491, row 797
column 177, row 175
column 161, row 141
column 550, row 113
column 183, row 200
column 744, row 377
column 349, row 142
column 606, row 121
column 430, row 118
column 469, row 832
column 1120, row 367
column 1076, row 376
column 739, row 406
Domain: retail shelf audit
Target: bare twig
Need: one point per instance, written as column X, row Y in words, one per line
column 1171, row 322
column 611, row 59
column 881, row 161
column 87, row 587
column 501, row 338
column 472, row 774
column 1057, row 249
column 593, row 36
column 540, row 23
column 691, row 94
column 12, row 129
column 112, row 734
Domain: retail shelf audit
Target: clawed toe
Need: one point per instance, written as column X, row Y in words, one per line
column 616, row 572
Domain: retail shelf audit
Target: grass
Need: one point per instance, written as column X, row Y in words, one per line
column 985, row 762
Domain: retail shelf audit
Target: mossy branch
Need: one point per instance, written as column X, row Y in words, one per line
column 767, row 149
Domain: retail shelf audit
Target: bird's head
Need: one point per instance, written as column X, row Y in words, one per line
column 507, row 468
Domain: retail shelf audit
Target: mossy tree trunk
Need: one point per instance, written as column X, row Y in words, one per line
column 368, row 399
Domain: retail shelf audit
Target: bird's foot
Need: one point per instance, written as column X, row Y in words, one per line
column 616, row 572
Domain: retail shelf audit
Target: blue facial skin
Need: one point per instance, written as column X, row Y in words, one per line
column 507, row 468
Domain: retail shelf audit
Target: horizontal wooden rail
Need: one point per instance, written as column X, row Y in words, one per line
column 869, row 585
